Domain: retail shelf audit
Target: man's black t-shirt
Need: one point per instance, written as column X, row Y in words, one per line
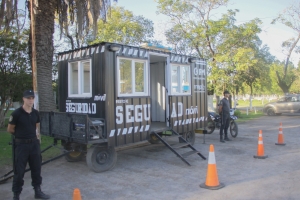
column 225, row 106
column 25, row 123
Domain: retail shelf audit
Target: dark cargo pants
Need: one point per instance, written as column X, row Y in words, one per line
column 31, row 153
column 225, row 119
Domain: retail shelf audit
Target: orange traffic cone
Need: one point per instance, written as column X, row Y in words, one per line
column 280, row 136
column 260, row 147
column 212, row 181
column 76, row 194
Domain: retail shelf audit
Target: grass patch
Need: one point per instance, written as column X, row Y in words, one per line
column 251, row 115
column 255, row 103
column 6, row 149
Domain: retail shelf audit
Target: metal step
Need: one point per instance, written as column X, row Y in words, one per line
column 182, row 143
column 179, row 145
column 160, row 130
column 189, row 153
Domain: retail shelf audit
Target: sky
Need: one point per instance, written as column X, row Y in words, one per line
column 266, row 10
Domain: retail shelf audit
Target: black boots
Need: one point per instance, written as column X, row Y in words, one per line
column 38, row 194
column 16, row 196
column 226, row 138
column 221, row 139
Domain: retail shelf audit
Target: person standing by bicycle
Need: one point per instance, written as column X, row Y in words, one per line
column 224, row 111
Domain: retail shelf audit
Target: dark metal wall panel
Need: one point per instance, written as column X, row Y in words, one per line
column 145, row 124
column 136, row 125
column 110, row 103
column 190, row 112
column 62, row 85
column 98, row 77
column 95, row 105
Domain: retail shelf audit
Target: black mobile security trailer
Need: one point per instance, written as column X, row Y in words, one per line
column 111, row 95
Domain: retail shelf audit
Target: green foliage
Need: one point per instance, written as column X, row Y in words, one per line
column 237, row 113
column 123, row 27
column 251, row 115
column 290, row 18
column 15, row 72
column 236, row 60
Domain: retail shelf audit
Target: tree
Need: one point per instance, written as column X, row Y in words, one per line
column 86, row 13
column 15, row 72
column 235, row 41
column 290, row 17
column 191, row 20
column 123, row 27
column 277, row 71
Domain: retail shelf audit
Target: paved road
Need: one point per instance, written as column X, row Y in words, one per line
column 154, row 172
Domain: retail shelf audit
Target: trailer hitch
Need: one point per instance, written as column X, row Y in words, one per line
column 7, row 176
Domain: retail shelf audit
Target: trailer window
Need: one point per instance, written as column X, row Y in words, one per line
column 180, row 79
column 80, row 79
column 132, row 79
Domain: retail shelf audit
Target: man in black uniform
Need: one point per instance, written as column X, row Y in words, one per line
column 224, row 110
column 23, row 124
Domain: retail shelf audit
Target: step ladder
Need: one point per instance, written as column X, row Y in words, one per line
column 175, row 147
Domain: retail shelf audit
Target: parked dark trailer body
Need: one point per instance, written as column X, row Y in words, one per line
column 112, row 95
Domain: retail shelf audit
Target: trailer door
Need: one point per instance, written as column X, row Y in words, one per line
column 158, row 92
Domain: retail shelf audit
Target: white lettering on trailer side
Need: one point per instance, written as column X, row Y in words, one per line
column 199, row 72
column 146, row 117
column 86, row 108
column 136, row 129
column 127, row 131
column 100, row 98
column 124, row 131
column 189, row 121
column 128, row 110
column 192, row 110
column 180, row 110
column 112, row 133
column 130, row 130
column 119, row 115
column 122, row 101
column 138, row 113
column 133, row 113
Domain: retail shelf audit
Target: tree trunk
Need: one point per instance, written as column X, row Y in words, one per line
column 3, row 110
column 44, row 29
column 282, row 83
column 250, row 99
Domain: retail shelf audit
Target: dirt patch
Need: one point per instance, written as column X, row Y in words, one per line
column 154, row 172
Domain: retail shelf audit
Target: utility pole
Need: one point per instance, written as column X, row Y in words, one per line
column 33, row 4
column 33, row 11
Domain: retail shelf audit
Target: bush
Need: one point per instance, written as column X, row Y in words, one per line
column 237, row 113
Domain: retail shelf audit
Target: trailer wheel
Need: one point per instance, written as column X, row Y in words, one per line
column 153, row 139
column 101, row 158
column 189, row 137
column 78, row 152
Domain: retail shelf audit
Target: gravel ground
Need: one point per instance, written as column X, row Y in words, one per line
column 151, row 172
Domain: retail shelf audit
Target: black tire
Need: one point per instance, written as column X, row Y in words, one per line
column 78, row 153
column 211, row 125
column 233, row 128
column 153, row 139
column 189, row 137
column 101, row 158
column 271, row 112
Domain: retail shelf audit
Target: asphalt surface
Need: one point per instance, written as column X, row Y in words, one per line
column 153, row 172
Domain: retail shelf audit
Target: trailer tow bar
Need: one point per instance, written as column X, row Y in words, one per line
column 6, row 176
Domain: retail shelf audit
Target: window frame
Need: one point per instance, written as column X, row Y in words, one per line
column 133, row 82
column 80, row 78
column 172, row 93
